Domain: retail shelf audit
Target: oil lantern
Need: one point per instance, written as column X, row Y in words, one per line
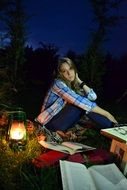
column 17, row 133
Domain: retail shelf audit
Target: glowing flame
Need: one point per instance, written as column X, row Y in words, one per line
column 17, row 130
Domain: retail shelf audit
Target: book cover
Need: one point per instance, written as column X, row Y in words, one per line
column 52, row 157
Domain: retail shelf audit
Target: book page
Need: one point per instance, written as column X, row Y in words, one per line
column 66, row 147
column 108, row 177
column 75, row 176
column 57, row 147
column 72, row 145
column 77, row 146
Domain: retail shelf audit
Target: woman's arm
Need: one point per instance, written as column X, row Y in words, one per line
column 105, row 113
column 71, row 97
column 91, row 95
column 85, row 87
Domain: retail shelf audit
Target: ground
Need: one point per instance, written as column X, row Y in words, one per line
column 18, row 172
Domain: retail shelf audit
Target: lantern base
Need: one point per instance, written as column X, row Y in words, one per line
column 17, row 145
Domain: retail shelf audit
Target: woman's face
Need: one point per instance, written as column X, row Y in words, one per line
column 67, row 72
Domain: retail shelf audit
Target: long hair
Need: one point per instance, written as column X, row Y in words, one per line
column 74, row 84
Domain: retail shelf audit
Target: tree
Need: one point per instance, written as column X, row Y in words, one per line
column 3, row 35
column 92, row 62
column 14, row 19
column 39, row 66
column 43, row 63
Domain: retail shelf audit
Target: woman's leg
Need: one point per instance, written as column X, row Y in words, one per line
column 65, row 119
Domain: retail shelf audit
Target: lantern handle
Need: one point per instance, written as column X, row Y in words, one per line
column 10, row 107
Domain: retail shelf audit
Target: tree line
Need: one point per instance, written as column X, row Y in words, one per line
column 26, row 73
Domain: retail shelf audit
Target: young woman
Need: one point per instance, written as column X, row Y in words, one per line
column 68, row 99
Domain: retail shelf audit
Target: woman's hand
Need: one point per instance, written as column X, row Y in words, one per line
column 91, row 95
column 111, row 117
column 78, row 79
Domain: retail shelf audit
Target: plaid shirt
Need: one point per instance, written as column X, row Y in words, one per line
column 58, row 96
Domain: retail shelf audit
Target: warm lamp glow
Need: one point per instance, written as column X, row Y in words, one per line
column 17, row 130
column 17, row 134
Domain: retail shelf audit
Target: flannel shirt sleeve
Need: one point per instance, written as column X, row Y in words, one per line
column 72, row 97
column 46, row 115
column 92, row 96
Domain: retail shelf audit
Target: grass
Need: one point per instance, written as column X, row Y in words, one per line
column 41, row 179
column 12, row 162
column 17, row 171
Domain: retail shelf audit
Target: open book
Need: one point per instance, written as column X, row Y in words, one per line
column 67, row 147
column 98, row 177
column 118, row 132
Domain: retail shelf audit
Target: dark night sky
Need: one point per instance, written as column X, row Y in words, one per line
column 67, row 25
column 63, row 23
